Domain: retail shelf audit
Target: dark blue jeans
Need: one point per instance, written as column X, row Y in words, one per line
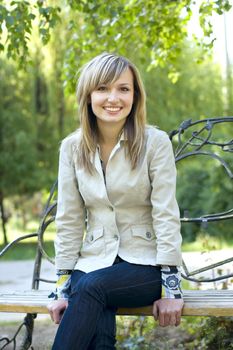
column 89, row 320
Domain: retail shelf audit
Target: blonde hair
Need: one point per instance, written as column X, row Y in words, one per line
column 106, row 69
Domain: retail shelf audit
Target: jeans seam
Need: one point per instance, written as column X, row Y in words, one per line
column 135, row 285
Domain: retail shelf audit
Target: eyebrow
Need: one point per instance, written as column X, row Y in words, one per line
column 121, row 84
column 125, row 84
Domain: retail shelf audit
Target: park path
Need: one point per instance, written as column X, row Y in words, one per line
column 17, row 275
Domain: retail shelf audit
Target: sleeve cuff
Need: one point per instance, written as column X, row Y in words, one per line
column 62, row 290
column 171, row 281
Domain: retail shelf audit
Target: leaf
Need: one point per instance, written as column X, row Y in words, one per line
column 32, row 16
column 9, row 20
column 43, row 31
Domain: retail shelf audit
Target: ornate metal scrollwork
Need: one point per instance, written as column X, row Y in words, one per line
column 201, row 138
column 28, row 323
column 191, row 139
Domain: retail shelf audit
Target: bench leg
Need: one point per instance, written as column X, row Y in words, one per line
column 29, row 326
column 28, row 323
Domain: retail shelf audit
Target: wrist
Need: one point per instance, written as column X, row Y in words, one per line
column 64, row 272
column 171, row 281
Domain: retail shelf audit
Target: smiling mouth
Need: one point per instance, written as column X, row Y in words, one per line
column 112, row 109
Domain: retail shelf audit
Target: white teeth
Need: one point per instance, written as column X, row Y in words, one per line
column 112, row 109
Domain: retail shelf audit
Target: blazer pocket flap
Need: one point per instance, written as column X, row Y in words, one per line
column 95, row 234
column 143, row 232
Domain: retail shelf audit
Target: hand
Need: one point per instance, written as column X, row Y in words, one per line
column 56, row 309
column 168, row 311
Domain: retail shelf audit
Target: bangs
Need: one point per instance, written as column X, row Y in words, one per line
column 107, row 71
column 103, row 69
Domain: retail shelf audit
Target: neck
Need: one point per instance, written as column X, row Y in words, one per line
column 108, row 133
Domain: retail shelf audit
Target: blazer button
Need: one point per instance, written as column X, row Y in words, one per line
column 116, row 237
column 148, row 234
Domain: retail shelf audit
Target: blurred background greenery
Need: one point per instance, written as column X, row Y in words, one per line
column 44, row 43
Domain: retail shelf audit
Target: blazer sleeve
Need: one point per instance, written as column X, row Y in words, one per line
column 70, row 217
column 165, row 211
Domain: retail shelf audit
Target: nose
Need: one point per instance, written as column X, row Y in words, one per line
column 113, row 96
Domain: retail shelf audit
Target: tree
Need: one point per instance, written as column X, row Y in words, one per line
column 17, row 154
column 198, row 92
column 28, row 136
column 36, row 109
column 95, row 26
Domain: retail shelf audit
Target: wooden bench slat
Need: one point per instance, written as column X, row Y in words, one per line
column 197, row 303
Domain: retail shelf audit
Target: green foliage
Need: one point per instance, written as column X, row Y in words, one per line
column 204, row 182
column 131, row 26
column 26, row 251
column 212, row 333
column 170, row 103
column 194, row 333
column 135, row 28
column 28, row 139
column 17, row 135
column 18, row 18
column 204, row 187
column 38, row 110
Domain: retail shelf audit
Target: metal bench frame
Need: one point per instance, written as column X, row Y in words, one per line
column 199, row 137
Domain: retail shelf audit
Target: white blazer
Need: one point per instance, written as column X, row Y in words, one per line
column 134, row 214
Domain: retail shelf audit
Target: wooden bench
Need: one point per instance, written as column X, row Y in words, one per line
column 197, row 302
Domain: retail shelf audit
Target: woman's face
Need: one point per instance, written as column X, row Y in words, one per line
column 113, row 102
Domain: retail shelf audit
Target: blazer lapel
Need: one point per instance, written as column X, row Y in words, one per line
column 98, row 166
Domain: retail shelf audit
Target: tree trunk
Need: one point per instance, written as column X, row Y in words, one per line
column 4, row 220
column 61, row 107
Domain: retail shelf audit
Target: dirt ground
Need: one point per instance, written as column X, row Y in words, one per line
column 17, row 276
column 44, row 332
column 43, row 335
column 158, row 338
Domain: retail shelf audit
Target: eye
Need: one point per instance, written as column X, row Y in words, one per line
column 102, row 88
column 125, row 89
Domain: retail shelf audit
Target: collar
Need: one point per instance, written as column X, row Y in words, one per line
column 121, row 137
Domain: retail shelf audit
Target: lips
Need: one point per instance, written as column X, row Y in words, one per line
column 112, row 109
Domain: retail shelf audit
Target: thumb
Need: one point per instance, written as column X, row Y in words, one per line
column 155, row 310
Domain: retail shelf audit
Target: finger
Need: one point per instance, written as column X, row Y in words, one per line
column 166, row 319
column 162, row 319
column 56, row 316
column 173, row 320
column 49, row 307
column 155, row 311
column 51, row 314
column 178, row 318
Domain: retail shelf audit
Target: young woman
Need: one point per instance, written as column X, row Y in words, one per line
column 118, row 229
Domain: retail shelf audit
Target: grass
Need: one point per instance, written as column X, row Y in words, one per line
column 25, row 250
column 207, row 243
